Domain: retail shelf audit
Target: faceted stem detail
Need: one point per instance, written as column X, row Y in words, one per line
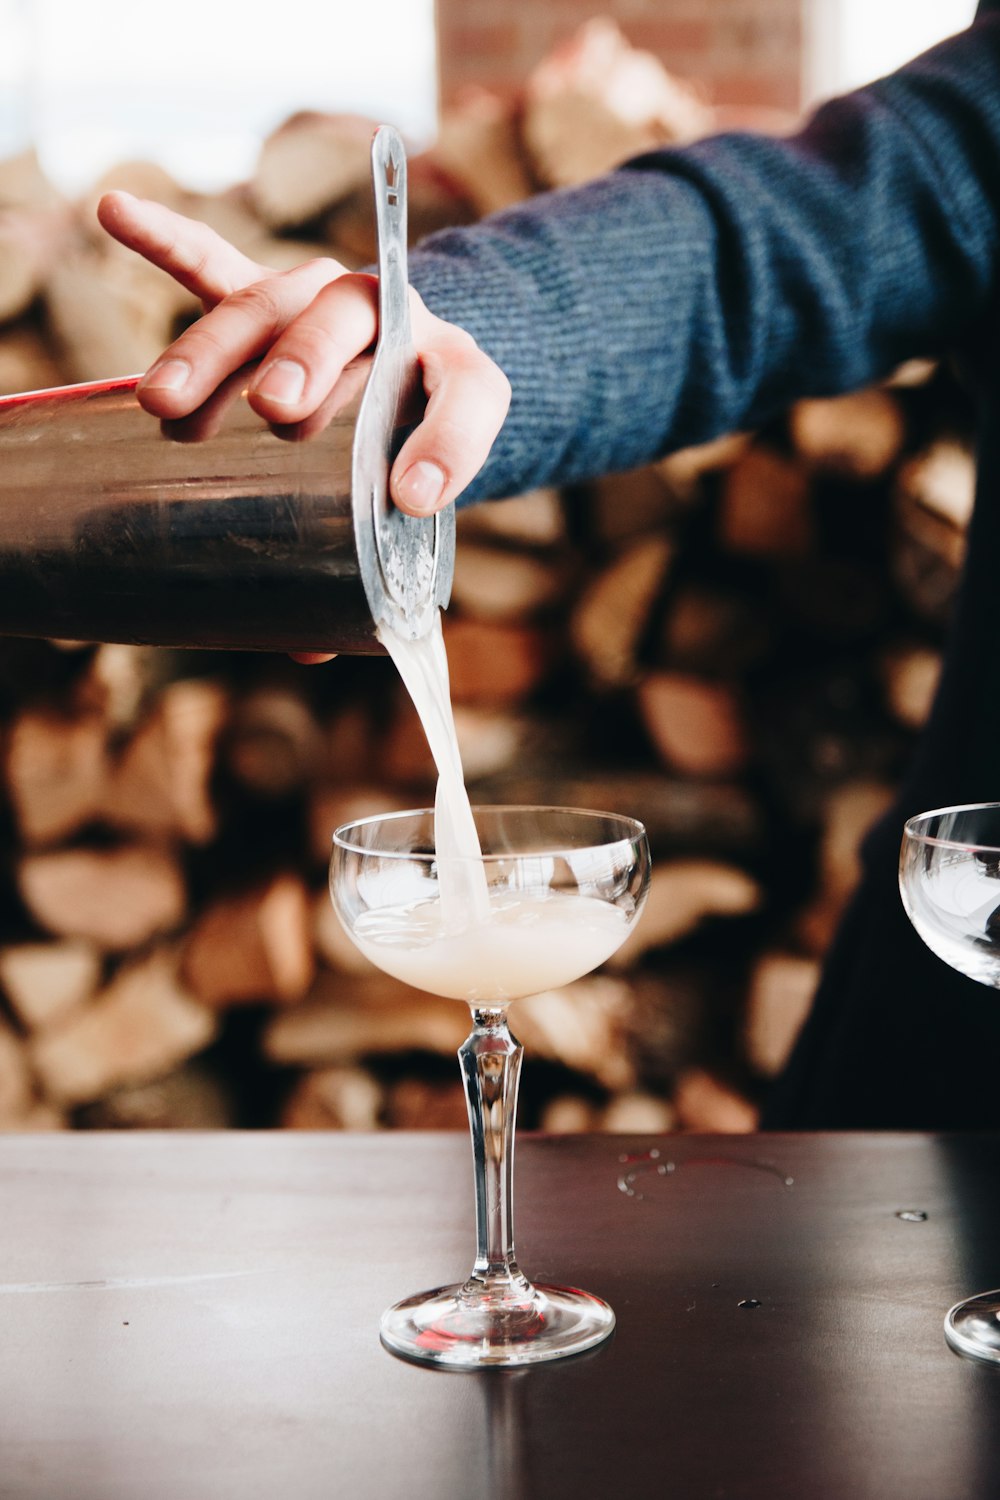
column 491, row 1065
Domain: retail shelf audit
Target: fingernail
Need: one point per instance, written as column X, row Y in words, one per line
column 421, row 487
column 283, row 381
column 170, row 376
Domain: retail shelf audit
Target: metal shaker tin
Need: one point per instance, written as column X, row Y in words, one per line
column 218, row 531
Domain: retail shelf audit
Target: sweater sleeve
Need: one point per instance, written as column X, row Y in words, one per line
column 698, row 291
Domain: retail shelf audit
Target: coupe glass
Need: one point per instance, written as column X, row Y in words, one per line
column 554, row 893
column 949, row 879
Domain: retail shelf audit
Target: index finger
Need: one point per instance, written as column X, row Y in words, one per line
column 192, row 253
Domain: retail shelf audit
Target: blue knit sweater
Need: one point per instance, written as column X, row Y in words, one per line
column 698, row 291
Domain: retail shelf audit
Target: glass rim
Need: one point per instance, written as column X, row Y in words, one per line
column 635, row 832
column 912, row 829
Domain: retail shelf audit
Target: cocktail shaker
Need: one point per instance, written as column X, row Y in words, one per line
column 217, row 530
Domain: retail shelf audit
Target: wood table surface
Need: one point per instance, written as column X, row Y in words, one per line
column 193, row 1316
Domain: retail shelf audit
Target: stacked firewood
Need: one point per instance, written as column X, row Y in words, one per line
column 737, row 644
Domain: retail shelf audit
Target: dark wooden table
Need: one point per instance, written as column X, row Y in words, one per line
column 196, row 1316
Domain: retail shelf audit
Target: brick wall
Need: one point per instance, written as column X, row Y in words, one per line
column 748, row 53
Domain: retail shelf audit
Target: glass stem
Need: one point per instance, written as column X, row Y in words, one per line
column 491, row 1065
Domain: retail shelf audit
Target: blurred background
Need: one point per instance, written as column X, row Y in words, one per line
column 738, row 644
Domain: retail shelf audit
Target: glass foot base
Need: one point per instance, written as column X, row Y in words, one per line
column 972, row 1327
column 445, row 1327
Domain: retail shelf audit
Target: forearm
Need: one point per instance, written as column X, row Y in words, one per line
column 699, row 291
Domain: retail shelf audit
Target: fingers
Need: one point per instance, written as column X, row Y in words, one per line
column 235, row 332
column 308, row 323
column 194, row 255
column 306, row 361
column 468, row 398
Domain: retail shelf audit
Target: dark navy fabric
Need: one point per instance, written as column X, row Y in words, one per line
column 700, row 291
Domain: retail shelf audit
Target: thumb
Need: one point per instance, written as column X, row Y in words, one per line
column 468, row 396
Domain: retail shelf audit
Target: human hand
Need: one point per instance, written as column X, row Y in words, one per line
column 304, row 326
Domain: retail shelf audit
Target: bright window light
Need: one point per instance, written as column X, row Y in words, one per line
column 851, row 42
column 196, row 85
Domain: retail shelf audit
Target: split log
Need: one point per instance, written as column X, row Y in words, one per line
column 405, row 758
column 23, row 184
column 252, row 947
column 39, row 1118
column 273, row 744
column 568, row 1114
column 625, row 506
column 143, row 179
column 782, row 986
column 683, row 894
column 695, row 726
column 489, row 741
column 348, row 1019
column 311, row 161
column 478, row 146
column 584, row 1026
column 334, row 1099
column 57, row 773
column 612, row 614
column 161, row 782
column 595, row 101
column 848, row 814
column 942, row 480
column 347, row 228
column 108, row 317
column 636, row 1113
column 350, row 741
column 120, row 682
column 190, row 1098
column 683, row 470
column 416, row 1104
column 667, row 1026
column 704, row 627
column 765, row 506
column 860, row 434
column 139, row 1028
column 494, row 585
column 26, row 362
column 911, row 675
column 535, row 519
column 496, row 664
column 927, row 555
column 43, row 981
column 706, row 1104
column 331, row 806
column 332, row 944
column 912, row 372
column 31, row 241
column 115, row 898
column 16, row 1094
column 712, row 817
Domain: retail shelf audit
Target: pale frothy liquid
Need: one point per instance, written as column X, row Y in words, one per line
column 468, row 943
column 531, row 942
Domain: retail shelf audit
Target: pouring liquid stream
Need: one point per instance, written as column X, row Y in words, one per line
column 485, row 946
column 423, row 666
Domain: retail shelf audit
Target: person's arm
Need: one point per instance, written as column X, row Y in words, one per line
column 304, row 326
column 690, row 293
column 699, row 291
